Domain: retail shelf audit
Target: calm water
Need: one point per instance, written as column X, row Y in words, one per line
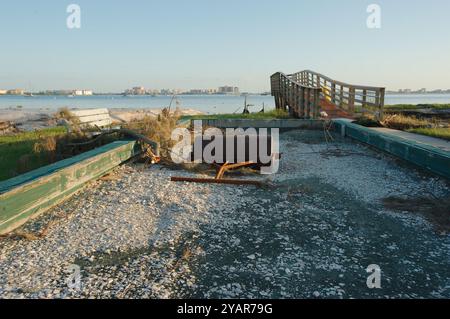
column 204, row 103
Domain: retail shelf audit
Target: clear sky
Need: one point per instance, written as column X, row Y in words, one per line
column 208, row 43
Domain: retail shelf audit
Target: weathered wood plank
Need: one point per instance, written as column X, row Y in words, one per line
column 94, row 117
column 31, row 194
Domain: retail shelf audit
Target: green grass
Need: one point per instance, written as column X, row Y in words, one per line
column 443, row 133
column 32, row 136
column 14, row 147
column 274, row 114
column 399, row 107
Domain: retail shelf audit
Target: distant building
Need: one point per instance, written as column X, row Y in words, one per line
column 170, row 92
column 228, row 90
column 3, row 92
column 59, row 92
column 153, row 92
column 16, row 92
column 82, row 92
column 138, row 90
column 202, row 91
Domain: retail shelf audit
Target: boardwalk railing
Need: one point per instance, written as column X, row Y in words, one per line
column 303, row 100
column 354, row 99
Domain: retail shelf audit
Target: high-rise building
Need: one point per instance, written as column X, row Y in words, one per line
column 16, row 92
column 82, row 92
column 228, row 90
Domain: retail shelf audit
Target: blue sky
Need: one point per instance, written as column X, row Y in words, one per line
column 201, row 44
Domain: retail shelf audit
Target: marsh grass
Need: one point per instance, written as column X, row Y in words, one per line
column 429, row 127
column 24, row 152
column 273, row 114
column 403, row 122
column 17, row 154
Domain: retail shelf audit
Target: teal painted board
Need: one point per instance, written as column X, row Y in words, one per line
column 30, row 195
column 46, row 170
column 425, row 156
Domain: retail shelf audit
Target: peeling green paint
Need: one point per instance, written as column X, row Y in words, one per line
column 31, row 194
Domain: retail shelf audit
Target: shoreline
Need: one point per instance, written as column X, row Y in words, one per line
column 33, row 119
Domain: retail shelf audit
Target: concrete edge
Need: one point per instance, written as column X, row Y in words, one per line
column 427, row 157
column 264, row 123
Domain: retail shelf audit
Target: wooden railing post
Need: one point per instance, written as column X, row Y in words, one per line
column 292, row 95
column 351, row 99
column 296, row 97
column 316, row 103
column 381, row 93
column 364, row 103
column 302, row 101
column 307, row 102
column 341, row 96
column 333, row 93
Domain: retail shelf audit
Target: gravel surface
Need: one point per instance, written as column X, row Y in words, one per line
column 311, row 234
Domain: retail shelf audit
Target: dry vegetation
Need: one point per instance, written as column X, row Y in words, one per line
column 26, row 151
column 431, row 127
column 158, row 129
column 56, row 148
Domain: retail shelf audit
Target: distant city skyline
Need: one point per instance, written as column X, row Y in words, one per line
column 137, row 90
column 204, row 44
column 140, row 90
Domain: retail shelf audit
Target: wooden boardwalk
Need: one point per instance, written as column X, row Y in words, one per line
column 333, row 111
column 306, row 94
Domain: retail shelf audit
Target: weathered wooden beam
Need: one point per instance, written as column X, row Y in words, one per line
column 351, row 100
column 316, row 103
column 31, row 194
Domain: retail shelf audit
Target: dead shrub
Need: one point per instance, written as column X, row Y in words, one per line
column 158, row 129
column 46, row 146
column 397, row 122
column 403, row 122
column 65, row 117
column 65, row 114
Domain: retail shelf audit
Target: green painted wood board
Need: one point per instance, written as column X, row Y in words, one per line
column 31, row 194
